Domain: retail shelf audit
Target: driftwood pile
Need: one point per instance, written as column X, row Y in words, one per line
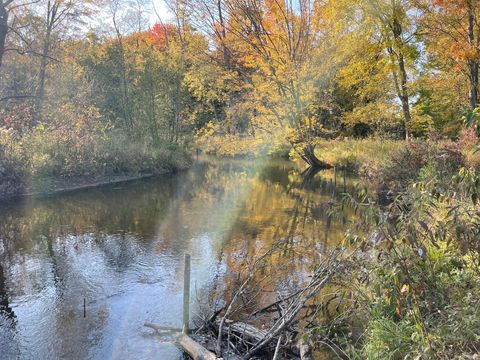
column 280, row 335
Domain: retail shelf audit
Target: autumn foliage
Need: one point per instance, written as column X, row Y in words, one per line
column 160, row 34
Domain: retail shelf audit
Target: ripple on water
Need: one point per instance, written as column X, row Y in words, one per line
column 122, row 250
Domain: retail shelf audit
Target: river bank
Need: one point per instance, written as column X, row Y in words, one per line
column 10, row 191
column 55, row 186
column 387, row 165
column 43, row 163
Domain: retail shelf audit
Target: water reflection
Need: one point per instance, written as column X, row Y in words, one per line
column 121, row 249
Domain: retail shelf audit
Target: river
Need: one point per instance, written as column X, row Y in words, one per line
column 120, row 248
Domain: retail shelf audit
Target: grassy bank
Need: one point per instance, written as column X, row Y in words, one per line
column 358, row 155
column 390, row 165
column 46, row 161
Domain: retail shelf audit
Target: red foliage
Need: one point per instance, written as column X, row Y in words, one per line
column 449, row 21
column 160, row 34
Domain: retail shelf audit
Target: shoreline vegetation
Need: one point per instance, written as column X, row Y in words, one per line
column 44, row 187
column 38, row 164
column 387, row 165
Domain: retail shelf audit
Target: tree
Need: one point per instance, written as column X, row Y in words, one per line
column 8, row 25
column 387, row 31
column 275, row 42
column 55, row 14
column 210, row 18
column 4, row 15
column 452, row 32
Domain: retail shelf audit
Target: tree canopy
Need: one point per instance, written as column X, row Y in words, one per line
column 279, row 72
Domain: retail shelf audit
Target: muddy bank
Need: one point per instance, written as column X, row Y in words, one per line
column 12, row 189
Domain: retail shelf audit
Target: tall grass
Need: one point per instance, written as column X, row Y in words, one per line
column 53, row 154
column 358, row 155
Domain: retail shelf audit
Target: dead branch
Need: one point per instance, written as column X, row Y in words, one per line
column 160, row 328
column 277, row 348
column 259, row 261
column 208, row 322
column 322, row 275
column 252, row 340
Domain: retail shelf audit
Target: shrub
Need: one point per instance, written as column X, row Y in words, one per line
column 427, row 158
column 11, row 170
column 468, row 143
column 53, row 153
column 422, row 285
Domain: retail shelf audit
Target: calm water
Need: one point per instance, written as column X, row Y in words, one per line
column 121, row 249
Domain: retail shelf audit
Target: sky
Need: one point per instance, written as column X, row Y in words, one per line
column 162, row 10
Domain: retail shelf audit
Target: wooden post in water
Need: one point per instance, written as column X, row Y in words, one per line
column 84, row 307
column 186, row 295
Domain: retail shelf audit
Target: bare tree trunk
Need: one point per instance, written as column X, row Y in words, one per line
column 3, row 29
column 404, row 98
column 43, row 67
column 473, row 78
column 52, row 13
column 123, row 77
column 126, row 110
column 177, row 111
column 226, row 56
column 153, row 113
column 402, row 88
column 311, row 159
column 472, row 63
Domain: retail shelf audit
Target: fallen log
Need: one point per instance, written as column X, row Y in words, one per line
column 184, row 342
column 252, row 335
column 244, row 330
column 193, row 348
